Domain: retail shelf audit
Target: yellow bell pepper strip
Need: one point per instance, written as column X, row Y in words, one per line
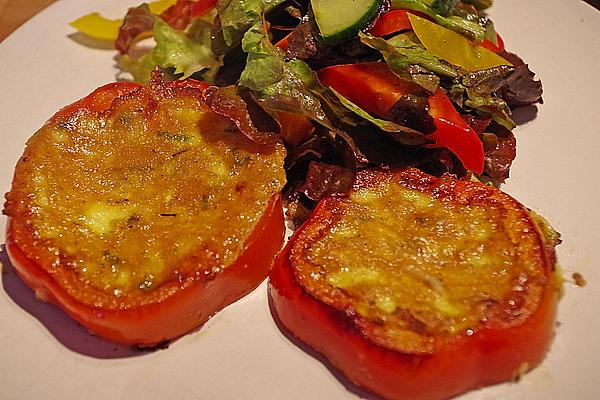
column 454, row 47
column 375, row 88
column 159, row 6
column 397, row 21
column 98, row 27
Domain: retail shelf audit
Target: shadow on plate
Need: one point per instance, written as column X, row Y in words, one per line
column 351, row 387
column 87, row 41
column 68, row 332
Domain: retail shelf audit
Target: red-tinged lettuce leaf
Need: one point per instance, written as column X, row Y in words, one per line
column 388, row 153
column 478, row 124
column 138, row 20
column 323, row 165
column 412, row 110
column 494, row 91
column 303, row 44
column 521, row 89
column 479, row 4
column 500, row 152
column 444, row 7
column 479, row 90
column 486, row 81
column 410, row 60
column 324, row 180
column 182, row 13
column 253, row 122
column 493, row 106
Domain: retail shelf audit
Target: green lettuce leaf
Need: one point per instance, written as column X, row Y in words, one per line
column 140, row 68
column 467, row 27
column 477, row 90
column 291, row 85
column 404, row 55
column 278, row 84
column 444, row 7
column 237, row 16
column 397, row 132
column 495, row 107
column 183, row 53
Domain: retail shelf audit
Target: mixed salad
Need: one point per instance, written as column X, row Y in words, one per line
column 346, row 85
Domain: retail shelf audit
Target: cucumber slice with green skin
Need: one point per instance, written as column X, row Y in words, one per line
column 341, row 20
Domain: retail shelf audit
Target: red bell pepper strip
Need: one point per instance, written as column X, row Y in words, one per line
column 179, row 15
column 202, row 7
column 375, row 88
column 371, row 86
column 491, row 46
column 391, row 22
column 283, row 43
column 454, row 133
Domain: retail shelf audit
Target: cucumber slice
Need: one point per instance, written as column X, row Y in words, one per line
column 340, row 20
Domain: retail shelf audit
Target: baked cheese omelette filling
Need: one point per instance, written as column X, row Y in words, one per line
column 417, row 261
column 132, row 201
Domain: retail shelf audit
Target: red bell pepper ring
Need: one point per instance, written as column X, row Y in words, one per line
column 151, row 318
column 375, row 88
column 482, row 357
column 394, row 21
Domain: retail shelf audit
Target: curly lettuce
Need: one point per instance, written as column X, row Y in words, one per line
column 183, row 53
column 238, row 16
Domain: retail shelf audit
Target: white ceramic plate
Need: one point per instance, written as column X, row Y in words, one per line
column 240, row 353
